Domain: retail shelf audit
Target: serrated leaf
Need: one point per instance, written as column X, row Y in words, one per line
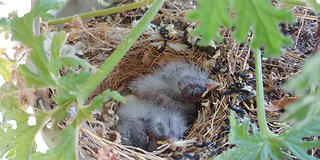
column 263, row 19
column 22, row 28
column 246, row 141
column 211, row 14
column 5, row 68
column 65, row 149
column 247, row 138
column 22, row 138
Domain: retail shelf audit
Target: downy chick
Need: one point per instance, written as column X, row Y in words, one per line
column 178, row 85
column 143, row 124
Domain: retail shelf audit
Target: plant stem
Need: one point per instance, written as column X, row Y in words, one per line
column 102, row 12
column 262, row 121
column 107, row 67
column 294, row 2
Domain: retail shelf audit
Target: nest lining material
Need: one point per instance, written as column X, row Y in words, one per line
column 97, row 140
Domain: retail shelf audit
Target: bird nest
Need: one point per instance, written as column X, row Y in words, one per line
column 168, row 39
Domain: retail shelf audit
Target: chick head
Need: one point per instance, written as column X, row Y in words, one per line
column 193, row 88
column 169, row 128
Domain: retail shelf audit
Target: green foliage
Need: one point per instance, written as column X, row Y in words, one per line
column 211, row 14
column 67, row 147
column 71, row 88
column 246, row 142
column 306, row 86
column 17, row 139
column 262, row 19
column 308, row 80
column 259, row 17
column 5, row 70
column 252, row 144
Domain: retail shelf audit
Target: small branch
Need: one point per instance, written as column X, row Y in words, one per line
column 294, row 2
column 102, row 12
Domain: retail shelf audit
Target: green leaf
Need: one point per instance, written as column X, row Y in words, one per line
column 303, row 111
column 42, row 7
column 258, row 17
column 247, row 138
column 22, row 28
column 66, row 148
column 212, row 15
column 74, row 62
column 5, row 68
column 22, row 138
column 308, row 80
column 69, row 136
column 305, row 85
column 263, row 19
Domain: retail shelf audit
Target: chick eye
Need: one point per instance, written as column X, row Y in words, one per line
column 161, row 128
column 192, row 93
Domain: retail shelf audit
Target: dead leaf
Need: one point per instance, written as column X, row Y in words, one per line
column 26, row 95
column 75, row 26
column 281, row 104
column 76, row 23
column 284, row 102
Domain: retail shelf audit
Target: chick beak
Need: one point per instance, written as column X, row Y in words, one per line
column 162, row 142
column 169, row 141
column 209, row 87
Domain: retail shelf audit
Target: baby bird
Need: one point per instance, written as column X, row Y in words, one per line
column 177, row 85
column 144, row 124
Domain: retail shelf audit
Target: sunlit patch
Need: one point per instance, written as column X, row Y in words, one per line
column 42, row 147
column 13, row 124
column 1, row 117
column 32, row 121
column 9, row 155
column 29, row 110
column 49, row 124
